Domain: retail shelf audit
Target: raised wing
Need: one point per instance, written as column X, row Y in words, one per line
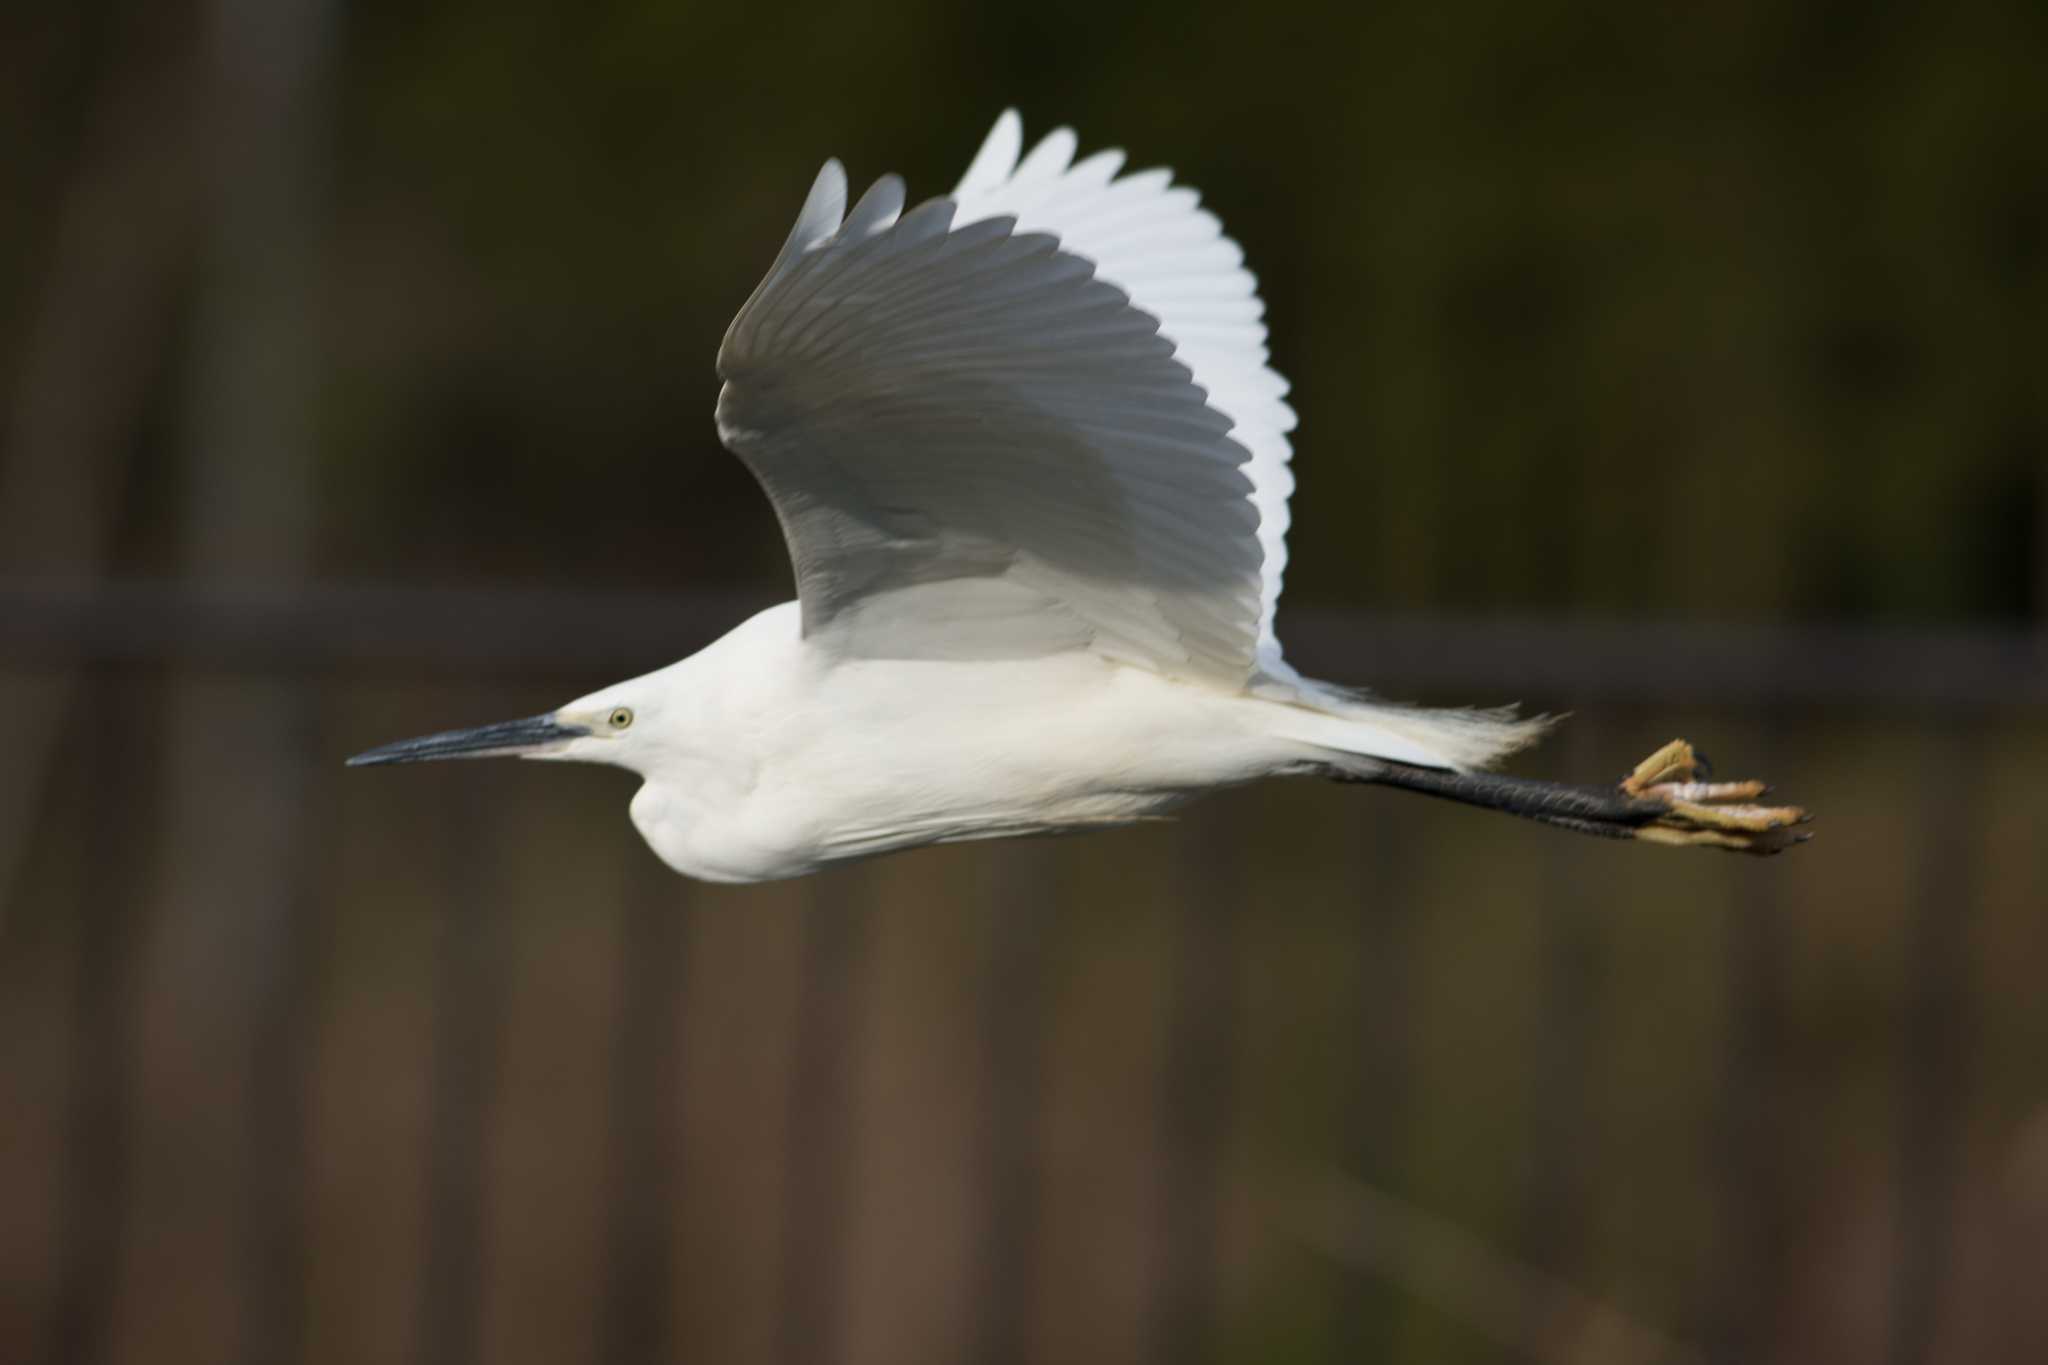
column 1151, row 239
column 978, row 449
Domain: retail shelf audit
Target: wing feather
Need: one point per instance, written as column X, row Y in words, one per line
column 979, row 448
column 1153, row 240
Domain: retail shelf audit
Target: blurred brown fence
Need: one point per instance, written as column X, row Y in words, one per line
column 300, row 1063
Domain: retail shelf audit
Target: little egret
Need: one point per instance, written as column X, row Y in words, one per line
column 1032, row 467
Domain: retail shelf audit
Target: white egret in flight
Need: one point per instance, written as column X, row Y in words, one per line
column 1031, row 464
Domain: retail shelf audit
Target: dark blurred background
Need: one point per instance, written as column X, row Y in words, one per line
column 1682, row 367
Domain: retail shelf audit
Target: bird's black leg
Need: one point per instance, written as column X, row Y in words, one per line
column 1660, row 802
column 1606, row 811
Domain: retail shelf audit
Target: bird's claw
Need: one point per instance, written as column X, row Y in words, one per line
column 1709, row 814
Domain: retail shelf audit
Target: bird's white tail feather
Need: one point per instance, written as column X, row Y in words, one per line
column 1347, row 722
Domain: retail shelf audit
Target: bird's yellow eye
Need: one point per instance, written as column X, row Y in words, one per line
column 621, row 717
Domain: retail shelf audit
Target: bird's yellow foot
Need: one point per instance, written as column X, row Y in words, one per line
column 1709, row 814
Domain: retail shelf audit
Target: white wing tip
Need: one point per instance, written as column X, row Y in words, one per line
column 828, row 193
column 997, row 159
column 824, row 208
column 1049, row 159
column 878, row 208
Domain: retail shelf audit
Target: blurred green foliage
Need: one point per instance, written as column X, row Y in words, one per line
column 1733, row 311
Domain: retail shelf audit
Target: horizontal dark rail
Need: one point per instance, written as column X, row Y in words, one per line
column 544, row 633
column 1666, row 660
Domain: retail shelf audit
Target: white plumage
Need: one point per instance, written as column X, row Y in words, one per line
column 1153, row 240
column 1032, row 466
column 979, row 451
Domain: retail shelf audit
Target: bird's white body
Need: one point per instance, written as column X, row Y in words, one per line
column 778, row 758
column 764, row 757
column 1032, row 466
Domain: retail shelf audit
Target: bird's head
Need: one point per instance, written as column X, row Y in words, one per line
column 611, row 726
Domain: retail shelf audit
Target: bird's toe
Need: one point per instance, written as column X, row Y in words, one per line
column 1705, row 814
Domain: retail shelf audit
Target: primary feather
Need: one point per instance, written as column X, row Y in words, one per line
column 1153, row 241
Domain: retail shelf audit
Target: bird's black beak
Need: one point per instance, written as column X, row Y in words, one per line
column 535, row 734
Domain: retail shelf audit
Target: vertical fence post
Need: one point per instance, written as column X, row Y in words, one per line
column 238, row 778
column 821, row 1133
column 1194, row 1101
column 1383, row 1041
column 469, row 992
column 1554, row 1200
column 645, row 1092
column 1936, row 1079
column 1023, row 903
column 1751, row 1119
column 273, row 1241
column 118, row 748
